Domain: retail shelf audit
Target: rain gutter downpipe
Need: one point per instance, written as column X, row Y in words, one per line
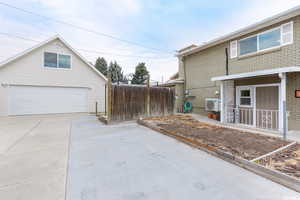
column 226, row 53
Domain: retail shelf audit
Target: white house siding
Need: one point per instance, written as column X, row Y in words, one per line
column 29, row 70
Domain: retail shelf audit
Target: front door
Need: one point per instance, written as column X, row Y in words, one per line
column 267, row 107
column 245, row 104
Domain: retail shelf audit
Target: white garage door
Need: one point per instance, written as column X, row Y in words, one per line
column 25, row 100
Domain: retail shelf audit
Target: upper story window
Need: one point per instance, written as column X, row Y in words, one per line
column 262, row 41
column 279, row 36
column 248, row 45
column 269, row 39
column 54, row 60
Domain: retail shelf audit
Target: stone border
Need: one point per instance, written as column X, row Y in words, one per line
column 274, row 152
column 270, row 174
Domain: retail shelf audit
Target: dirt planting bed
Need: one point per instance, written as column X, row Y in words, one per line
column 287, row 161
column 242, row 144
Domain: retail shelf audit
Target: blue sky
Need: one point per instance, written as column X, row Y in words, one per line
column 161, row 24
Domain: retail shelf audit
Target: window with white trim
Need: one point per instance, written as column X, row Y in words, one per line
column 248, row 45
column 269, row 39
column 279, row 36
column 54, row 60
column 245, row 97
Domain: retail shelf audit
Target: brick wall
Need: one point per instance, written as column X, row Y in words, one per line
column 293, row 104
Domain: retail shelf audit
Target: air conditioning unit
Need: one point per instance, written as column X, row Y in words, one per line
column 212, row 104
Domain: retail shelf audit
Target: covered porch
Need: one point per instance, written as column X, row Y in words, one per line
column 256, row 99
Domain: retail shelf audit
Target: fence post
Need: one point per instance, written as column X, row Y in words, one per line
column 148, row 96
column 109, row 96
column 96, row 108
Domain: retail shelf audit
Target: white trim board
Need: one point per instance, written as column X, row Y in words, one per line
column 257, row 73
column 60, row 86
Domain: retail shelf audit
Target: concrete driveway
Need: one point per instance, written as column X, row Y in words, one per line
column 130, row 162
column 119, row 162
column 34, row 156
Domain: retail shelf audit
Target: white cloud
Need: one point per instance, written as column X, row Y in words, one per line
column 76, row 7
column 94, row 15
column 113, row 17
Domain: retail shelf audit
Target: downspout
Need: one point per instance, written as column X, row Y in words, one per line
column 184, row 82
column 226, row 53
column 182, row 65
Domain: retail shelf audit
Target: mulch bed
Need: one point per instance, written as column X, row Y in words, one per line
column 242, row 144
column 287, row 161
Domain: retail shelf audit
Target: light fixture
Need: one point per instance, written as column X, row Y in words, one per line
column 297, row 93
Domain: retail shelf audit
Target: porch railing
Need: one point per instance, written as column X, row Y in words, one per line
column 260, row 118
column 267, row 119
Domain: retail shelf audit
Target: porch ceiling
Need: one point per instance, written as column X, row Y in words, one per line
column 257, row 73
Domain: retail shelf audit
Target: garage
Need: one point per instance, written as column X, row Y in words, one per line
column 24, row 100
column 50, row 78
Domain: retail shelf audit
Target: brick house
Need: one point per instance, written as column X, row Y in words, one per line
column 254, row 72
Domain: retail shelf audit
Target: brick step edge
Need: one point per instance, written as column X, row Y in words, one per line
column 273, row 175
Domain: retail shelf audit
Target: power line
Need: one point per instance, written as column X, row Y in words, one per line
column 19, row 37
column 84, row 50
column 92, row 51
column 83, row 28
column 133, row 56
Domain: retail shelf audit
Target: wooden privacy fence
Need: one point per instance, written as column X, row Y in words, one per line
column 161, row 101
column 127, row 102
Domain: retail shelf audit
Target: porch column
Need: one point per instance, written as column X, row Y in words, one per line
column 282, row 112
column 222, row 103
column 227, row 100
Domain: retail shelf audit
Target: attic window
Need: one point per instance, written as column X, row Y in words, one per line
column 50, row 60
column 64, row 61
column 54, row 60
